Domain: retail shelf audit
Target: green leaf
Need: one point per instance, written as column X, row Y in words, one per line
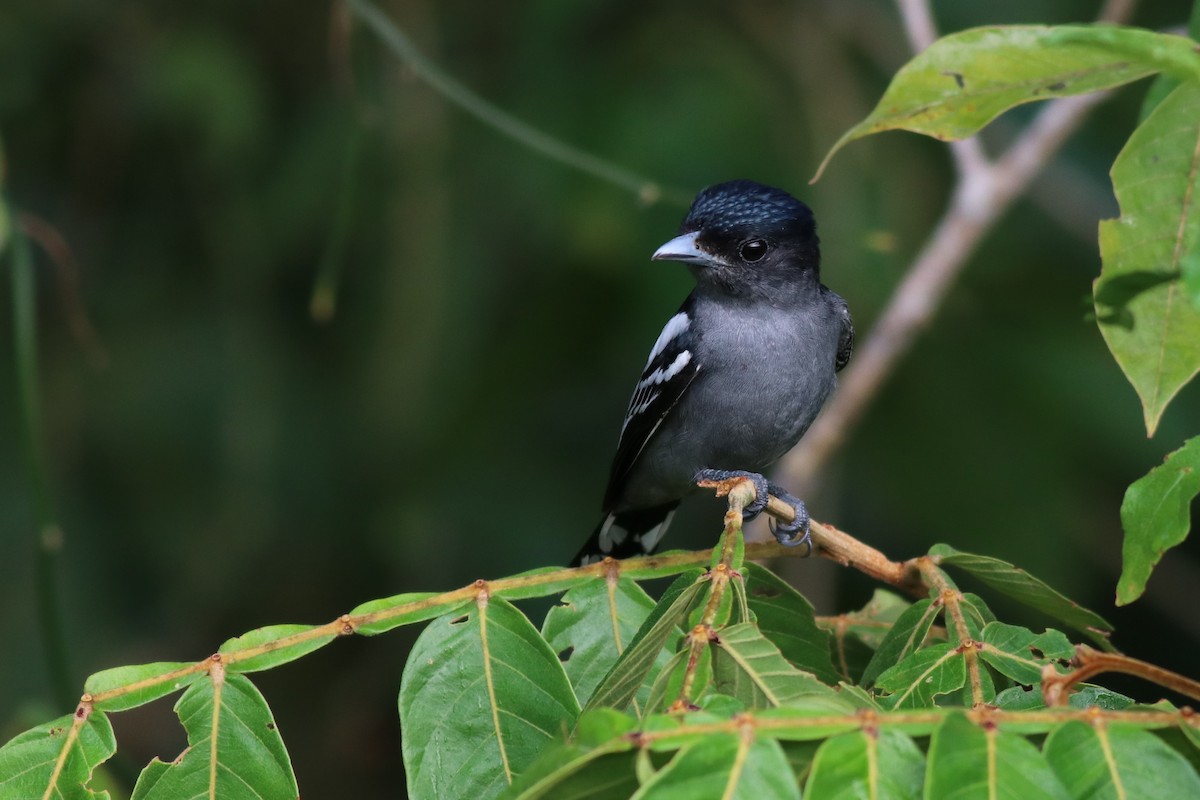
column 482, row 691
column 626, row 677
column 963, row 81
column 786, row 618
column 234, row 748
column 917, row 680
column 1141, row 307
column 420, row 611
column 976, row 616
column 724, row 767
column 1020, row 654
column 147, row 677
column 966, row 762
column 30, row 762
column 1117, row 761
column 668, row 685
column 886, row 765
column 903, row 639
column 282, row 643
column 592, row 626
column 1156, row 516
column 596, row 764
column 1020, row 585
column 746, row 665
column 1087, row 696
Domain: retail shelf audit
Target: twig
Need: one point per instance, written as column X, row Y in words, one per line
column 647, row 191
column 829, row 542
column 983, row 192
column 1089, row 663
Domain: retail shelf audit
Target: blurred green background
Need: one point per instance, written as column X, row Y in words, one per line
column 220, row 461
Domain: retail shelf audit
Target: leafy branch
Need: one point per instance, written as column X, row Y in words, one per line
column 751, row 671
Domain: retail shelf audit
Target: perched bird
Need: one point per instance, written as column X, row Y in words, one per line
column 737, row 375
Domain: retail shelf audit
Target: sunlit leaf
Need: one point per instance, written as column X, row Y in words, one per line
column 234, row 748
column 1156, row 516
column 964, row 80
column 278, row 644
column 140, row 684
column 57, row 759
column 401, row 609
column 482, row 691
column 1151, row 326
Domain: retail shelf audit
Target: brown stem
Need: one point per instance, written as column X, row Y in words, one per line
column 1089, row 662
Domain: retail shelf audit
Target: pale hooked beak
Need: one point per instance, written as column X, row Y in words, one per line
column 684, row 248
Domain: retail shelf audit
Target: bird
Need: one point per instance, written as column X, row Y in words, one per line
column 736, row 376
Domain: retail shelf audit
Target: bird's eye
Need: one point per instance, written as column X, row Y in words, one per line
column 752, row 250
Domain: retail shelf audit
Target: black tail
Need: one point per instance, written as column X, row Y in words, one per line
column 629, row 533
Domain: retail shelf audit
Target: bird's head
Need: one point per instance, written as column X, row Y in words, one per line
column 744, row 238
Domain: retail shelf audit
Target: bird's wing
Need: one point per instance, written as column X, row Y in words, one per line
column 845, row 337
column 669, row 371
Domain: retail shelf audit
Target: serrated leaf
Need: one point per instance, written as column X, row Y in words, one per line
column 724, row 767
column 141, row 683
column 919, row 679
column 966, row 762
column 1151, row 327
column 905, row 637
column 1156, row 516
column 887, row 765
column 963, row 81
column 482, row 691
column 234, row 748
column 626, row 677
column 1020, row 654
column 57, row 759
column 746, row 665
column 591, row 627
column 279, row 644
column 1020, row 585
column 1118, row 761
column 786, row 618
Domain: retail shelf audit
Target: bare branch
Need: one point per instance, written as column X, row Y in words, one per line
column 983, row 192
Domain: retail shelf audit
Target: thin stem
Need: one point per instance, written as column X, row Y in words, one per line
column 984, row 191
column 646, row 190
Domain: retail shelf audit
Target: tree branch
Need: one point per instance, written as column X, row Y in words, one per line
column 983, row 192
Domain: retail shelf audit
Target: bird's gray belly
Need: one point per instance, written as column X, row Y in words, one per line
column 752, row 422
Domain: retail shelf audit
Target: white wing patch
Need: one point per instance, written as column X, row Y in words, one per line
column 675, row 326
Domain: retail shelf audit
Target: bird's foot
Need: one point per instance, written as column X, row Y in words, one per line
column 786, row 532
column 761, row 487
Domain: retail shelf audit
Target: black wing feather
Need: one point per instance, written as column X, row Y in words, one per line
column 652, row 401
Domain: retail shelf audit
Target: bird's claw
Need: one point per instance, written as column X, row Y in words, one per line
column 761, row 487
column 786, row 532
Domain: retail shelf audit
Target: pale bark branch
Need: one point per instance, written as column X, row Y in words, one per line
column 984, row 190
